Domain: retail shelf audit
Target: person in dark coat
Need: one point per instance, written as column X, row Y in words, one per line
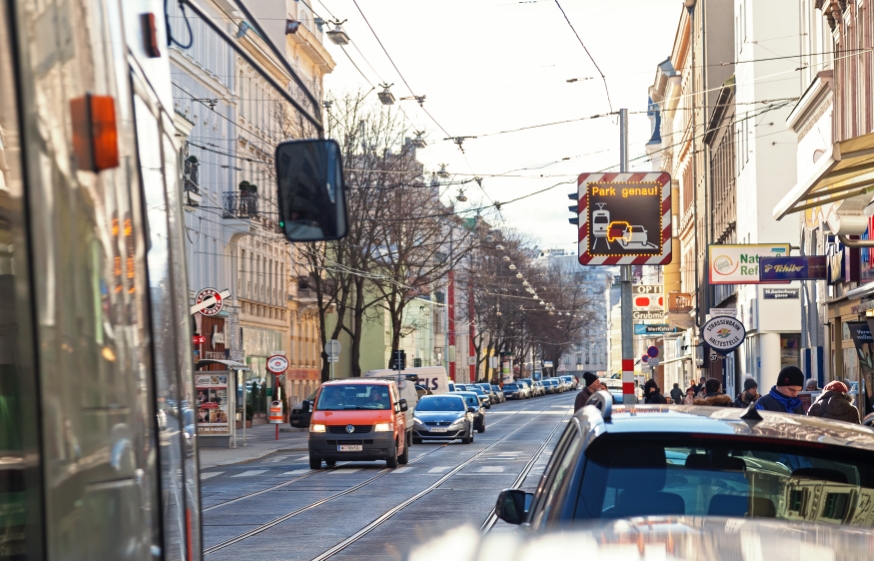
column 749, row 395
column 652, row 393
column 783, row 398
column 677, row 394
column 713, row 395
column 835, row 404
column 593, row 384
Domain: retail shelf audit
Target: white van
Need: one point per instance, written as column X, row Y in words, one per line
column 407, row 391
column 433, row 378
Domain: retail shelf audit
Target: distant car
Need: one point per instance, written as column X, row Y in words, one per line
column 551, row 386
column 500, row 393
column 487, row 401
column 471, row 399
column 443, row 417
column 618, row 462
column 614, row 387
column 540, row 387
column 529, row 384
column 570, row 381
column 299, row 417
column 513, row 390
column 487, row 388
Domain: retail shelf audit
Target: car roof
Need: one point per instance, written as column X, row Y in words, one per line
column 435, row 396
column 472, row 394
column 726, row 421
column 361, row 381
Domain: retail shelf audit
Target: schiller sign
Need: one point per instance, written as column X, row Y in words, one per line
column 812, row 267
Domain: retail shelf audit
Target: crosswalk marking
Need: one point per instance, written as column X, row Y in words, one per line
column 490, row 469
column 307, row 457
column 439, row 469
column 296, row 472
column 210, row 474
column 345, row 470
column 251, row 472
column 276, row 459
column 403, row 469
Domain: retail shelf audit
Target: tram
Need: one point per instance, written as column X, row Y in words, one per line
column 96, row 368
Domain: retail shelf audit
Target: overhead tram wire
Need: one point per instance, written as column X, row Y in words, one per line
column 598, row 68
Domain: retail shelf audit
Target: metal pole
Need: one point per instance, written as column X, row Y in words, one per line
column 628, row 395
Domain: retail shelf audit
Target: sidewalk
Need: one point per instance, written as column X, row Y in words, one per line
column 260, row 442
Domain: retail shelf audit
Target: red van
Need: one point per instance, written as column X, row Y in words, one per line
column 358, row 419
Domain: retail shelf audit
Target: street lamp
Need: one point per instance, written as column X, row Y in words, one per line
column 337, row 35
column 385, row 96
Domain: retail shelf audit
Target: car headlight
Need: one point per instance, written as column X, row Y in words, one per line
column 317, row 428
column 418, row 421
column 458, row 421
column 382, row 427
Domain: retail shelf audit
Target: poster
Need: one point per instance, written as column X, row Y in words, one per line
column 861, row 334
column 212, row 404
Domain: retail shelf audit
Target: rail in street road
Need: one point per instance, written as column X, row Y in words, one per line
column 360, row 509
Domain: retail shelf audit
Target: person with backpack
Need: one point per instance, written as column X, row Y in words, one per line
column 783, row 397
column 652, row 393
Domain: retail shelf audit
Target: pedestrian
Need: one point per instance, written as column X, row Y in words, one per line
column 677, row 394
column 713, row 395
column 810, row 385
column 699, row 387
column 749, row 395
column 783, row 397
column 834, row 403
column 652, row 393
column 690, row 396
column 593, row 384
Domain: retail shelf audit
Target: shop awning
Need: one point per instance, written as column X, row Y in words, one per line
column 230, row 364
column 847, row 171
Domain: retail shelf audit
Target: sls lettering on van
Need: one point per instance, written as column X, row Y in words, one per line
column 429, row 383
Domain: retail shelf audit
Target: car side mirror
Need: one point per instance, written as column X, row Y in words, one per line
column 404, row 406
column 472, row 410
column 512, row 505
column 310, row 190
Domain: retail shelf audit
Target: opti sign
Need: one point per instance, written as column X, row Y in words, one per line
column 624, row 218
column 723, row 334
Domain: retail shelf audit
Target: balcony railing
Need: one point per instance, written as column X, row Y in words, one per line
column 241, row 205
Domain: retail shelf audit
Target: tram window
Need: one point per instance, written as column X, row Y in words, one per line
column 20, row 512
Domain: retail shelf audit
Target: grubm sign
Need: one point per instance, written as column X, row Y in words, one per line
column 739, row 264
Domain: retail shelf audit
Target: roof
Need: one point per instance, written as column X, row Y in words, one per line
column 363, row 381
column 727, row 421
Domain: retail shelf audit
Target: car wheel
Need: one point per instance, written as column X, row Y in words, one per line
column 482, row 426
column 469, row 438
column 315, row 463
column 392, row 461
column 330, row 463
column 405, row 457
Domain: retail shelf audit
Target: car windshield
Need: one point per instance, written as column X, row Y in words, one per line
column 476, row 389
column 510, row 387
column 353, row 396
column 471, row 401
column 626, row 477
column 440, row 403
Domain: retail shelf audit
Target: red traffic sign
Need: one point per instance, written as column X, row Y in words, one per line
column 214, row 296
column 277, row 364
column 198, row 339
column 652, row 352
column 644, row 359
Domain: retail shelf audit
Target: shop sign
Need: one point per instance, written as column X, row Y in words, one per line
column 813, row 267
column 739, row 264
column 715, row 312
column 723, row 334
column 198, row 339
column 209, row 301
column 679, row 302
column 781, row 293
column 644, row 329
column 624, row 218
column 277, row 364
column 643, row 316
column 212, row 403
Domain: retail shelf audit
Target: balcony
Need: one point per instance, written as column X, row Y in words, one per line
column 242, row 205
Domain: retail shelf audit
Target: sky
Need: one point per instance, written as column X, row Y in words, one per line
column 487, row 66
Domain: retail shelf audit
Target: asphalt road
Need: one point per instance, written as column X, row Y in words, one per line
column 277, row 508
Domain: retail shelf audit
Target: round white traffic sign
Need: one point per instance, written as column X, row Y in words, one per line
column 332, row 347
column 213, row 308
column 277, row 364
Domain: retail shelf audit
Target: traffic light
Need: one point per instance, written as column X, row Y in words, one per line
column 575, row 219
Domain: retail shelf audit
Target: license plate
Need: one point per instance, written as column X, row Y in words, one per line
column 350, row 448
column 435, row 429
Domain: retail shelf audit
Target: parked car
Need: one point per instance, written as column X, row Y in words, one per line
column 359, row 419
column 551, row 386
column 614, row 386
column 500, row 393
column 443, row 417
column 571, row 382
column 529, row 384
column 615, row 462
column 299, row 417
column 487, row 388
column 487, row 402
column 513, row 390
column 473, row 400
column 541, row 389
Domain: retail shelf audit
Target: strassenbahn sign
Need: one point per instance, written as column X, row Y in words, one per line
column 624, row 218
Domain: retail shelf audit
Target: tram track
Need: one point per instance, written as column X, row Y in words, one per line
column 388, row 514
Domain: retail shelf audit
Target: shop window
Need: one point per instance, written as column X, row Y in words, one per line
column 790, row 345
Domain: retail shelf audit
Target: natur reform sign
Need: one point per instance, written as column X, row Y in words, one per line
column 739, row 264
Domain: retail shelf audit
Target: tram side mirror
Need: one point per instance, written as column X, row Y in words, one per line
column 311, row 195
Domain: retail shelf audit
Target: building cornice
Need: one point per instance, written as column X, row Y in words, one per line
column 818, row 93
